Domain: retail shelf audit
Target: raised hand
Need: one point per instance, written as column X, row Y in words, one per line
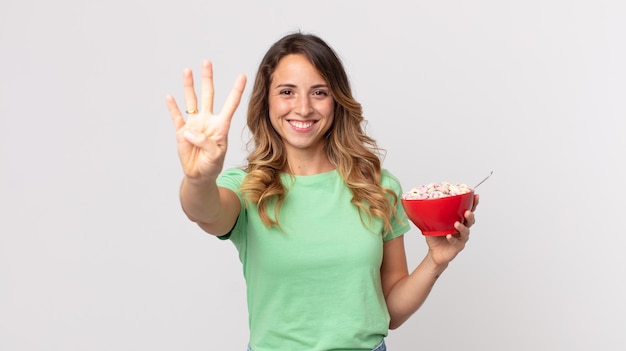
column 203, row 137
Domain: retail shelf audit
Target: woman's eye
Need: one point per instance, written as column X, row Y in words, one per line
column 320, row 93
column 286, row 92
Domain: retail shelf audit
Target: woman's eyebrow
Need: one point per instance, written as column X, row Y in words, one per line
column 291, row 85
column 286, row 85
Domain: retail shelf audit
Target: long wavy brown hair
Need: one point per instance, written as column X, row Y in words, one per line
column 355, row 155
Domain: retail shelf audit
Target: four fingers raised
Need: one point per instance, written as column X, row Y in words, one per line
column 206, row 97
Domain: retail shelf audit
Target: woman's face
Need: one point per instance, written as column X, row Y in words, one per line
column 301, row 107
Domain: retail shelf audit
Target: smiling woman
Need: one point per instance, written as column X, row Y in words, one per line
column 315, row 218
column 301, row 112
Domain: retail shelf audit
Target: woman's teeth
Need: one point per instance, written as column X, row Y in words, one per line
column 301, row 125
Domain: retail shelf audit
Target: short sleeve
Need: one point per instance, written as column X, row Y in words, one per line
column 232, row 179
column 399, row 224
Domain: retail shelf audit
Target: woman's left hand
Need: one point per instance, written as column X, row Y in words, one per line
column 444, row 249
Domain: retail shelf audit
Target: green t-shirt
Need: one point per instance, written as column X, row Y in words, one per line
column 315, row 285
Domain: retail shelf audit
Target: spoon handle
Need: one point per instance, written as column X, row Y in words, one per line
column 482, row 181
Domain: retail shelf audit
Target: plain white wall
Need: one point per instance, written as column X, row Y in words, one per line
column 95, row 253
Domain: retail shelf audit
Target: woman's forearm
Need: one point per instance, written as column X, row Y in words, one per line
column 409, row 294
column 200, row 200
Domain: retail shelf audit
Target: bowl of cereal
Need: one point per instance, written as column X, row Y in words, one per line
column 435, row 207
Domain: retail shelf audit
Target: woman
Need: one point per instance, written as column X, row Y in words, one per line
column 317, row 222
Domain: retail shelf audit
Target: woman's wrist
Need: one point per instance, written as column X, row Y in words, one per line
column 202, row 181
column 200, row 199
column 433, row 267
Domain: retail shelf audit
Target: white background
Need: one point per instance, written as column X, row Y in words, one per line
column 95, row 253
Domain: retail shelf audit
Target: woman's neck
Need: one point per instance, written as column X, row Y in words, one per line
column 303, row 164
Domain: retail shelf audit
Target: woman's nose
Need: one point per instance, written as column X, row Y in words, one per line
column 304, row 107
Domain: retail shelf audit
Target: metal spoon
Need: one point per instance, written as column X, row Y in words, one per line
column 482, row 181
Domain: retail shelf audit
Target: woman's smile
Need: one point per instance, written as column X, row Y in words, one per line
column 301, row 107
column 301, row 126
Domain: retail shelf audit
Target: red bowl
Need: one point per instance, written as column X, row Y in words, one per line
column 436, row 217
